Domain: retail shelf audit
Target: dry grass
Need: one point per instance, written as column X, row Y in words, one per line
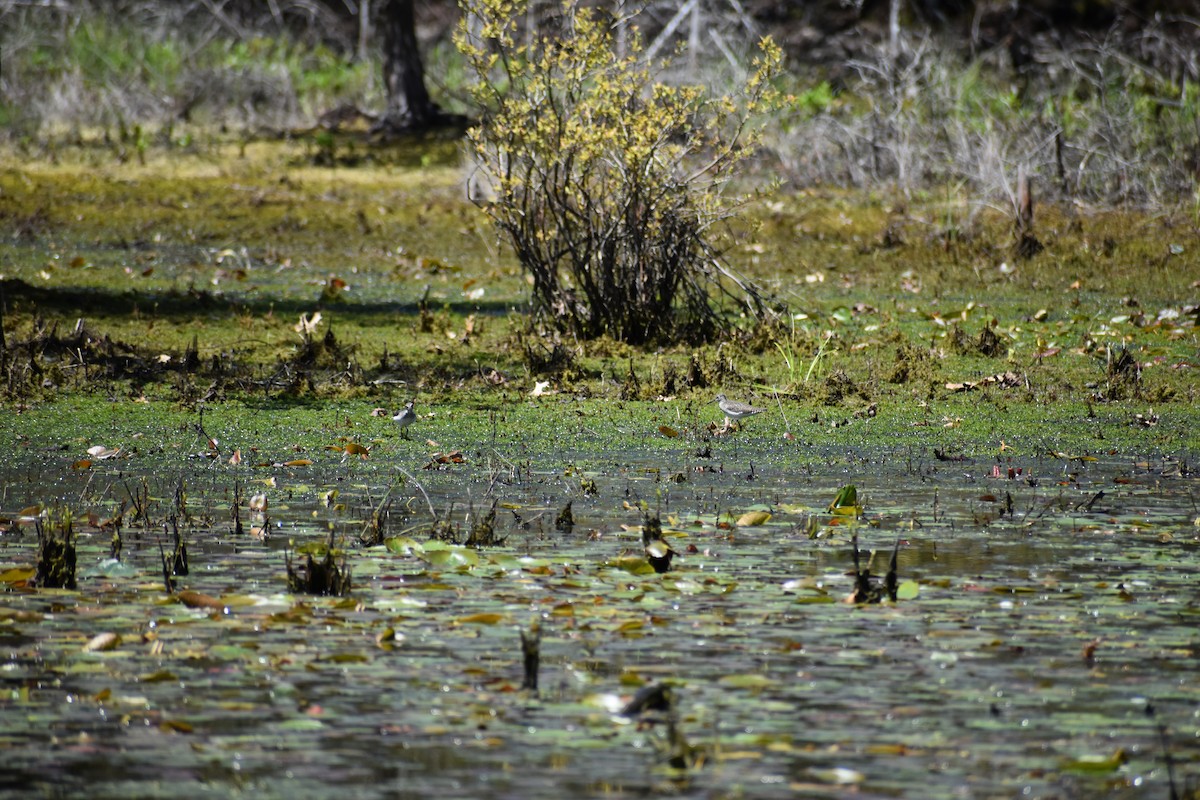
column 1109, row 118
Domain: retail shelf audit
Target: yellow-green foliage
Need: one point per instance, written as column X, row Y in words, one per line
column 606, row 179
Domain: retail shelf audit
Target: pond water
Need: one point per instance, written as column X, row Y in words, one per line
column 1050, row 649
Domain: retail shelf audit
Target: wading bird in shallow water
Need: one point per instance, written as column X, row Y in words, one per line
column 405, row 418
column 734, row 410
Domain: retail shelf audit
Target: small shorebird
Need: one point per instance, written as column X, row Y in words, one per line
column 405, row 418
column 734, row 410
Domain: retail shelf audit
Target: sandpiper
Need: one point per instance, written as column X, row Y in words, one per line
column 734, row 410
column 405, row 418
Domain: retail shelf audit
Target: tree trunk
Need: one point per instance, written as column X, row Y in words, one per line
column 409, row 106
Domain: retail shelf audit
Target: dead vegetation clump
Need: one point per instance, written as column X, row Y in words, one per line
column 988, row 343
column 1122, row 376
column 697, row 377
column 323, row 353
column 548, row 356
column 867, row 589
column 911, row 364
column 49, row 359
column 839, row 386
column 325, row 576
column 631, row 386
column 483, row 531
column 174, row 563
column 375, row 527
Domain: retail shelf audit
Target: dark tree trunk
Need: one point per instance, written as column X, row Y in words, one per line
column 402, row 68
column 409, row 107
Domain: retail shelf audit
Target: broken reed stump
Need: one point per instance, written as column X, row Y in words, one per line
column 483, row 532
column 866, row 592
column 565, row 521
column 179, row 555
column 531, row 647
column 1027, row 244
column 373, row 529
column 324, row 577
column 654, row 698
column 56, row 554
column 658, row 552
column 235, row 510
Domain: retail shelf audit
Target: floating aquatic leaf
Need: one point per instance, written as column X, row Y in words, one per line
column 684, row 586
column 301, row 725
column 315, row 548
column 15, row 575
column 445, row 555
column 239, row 600
column 1096, row 762
column 842, row 776
column 753, row 518
column 193, row 599
column 230, row 652
column 388, row 638
column 658, row 549
column 749, row 680
column 668, row 431
column 103, row 641
column 907, row 590
column 811, row 583
column 108, row 568
column 175, row 726
column 636, row 565
column 403, row 545
column 483, row 618
column 606, row 701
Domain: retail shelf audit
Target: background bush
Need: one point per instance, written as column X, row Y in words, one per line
column 606, row 180
column 958, row 96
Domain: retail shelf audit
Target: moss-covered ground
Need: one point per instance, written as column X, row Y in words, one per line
column 181, row 282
